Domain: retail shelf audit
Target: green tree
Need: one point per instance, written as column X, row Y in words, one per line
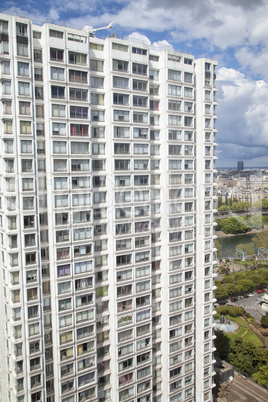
column 228, row 202
column 261, row 376
column 235, row 225
column 219, row 202
column 264, row 321
column 261, row 239
column 222, row 344
column 263, row 203
column 233, row 311
column 256, row 222
column 248, row 248
column 218, row 247
column 241, row 355
column 223, row 208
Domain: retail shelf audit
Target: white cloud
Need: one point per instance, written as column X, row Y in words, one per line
column 139, row 38
column 162, row 44
column 243, row 117
column 53, row 14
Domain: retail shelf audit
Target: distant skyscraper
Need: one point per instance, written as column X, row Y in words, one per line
column 106, row 218
column 240, row 165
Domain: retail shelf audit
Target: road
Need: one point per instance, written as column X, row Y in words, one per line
column 251, row 305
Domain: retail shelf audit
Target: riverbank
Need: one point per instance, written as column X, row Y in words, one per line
column 221, row 234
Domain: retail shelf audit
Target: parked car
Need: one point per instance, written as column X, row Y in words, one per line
column 260, row 291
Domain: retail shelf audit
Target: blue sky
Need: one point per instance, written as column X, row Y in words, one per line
column 233, row 32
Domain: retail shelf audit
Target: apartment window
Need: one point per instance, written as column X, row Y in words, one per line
column 174, row 105
column 121, row 132
column 60, row 165
column 61, row 218
column 23, row 69
column 57, row 73
column 96, row 65
column 82, row 267
column 61, row 201
column 123, row 213
column 188, row 77
column 139, row 50
column 120, row 82
column 80, row 182
column 140, row 101
column 79, row 147
column 140, row 85
column 78, row 58
column 121, row 115
column 4, row 46
column 120, row 99
column 188, row 61
column 40, row 129
column 78, row 165
column 174, row 164
column 39, row 110
column 188, row 92
column 24, row 88
column 97, row 115
column 78, row 76
column 38, row 55
column 174, row 120
column 79, row 94
column 96, row 82
column 55, row 34
column 174, row 75
column 26, row 146
column 78, row 112
column 57, row 92
column 5, row 67
column 80, row 199
column 122, row 164
column 139, row 117
column 80, row 130
column 38, row 95
column 24, row 108
column 120, row 65
column 38, row 74
column 98, row 165
column 154, row 75
column 188, row 121
column 141, row 149
column 59, row 147
column 27, row 184
column 56, row 54
column 58, row 110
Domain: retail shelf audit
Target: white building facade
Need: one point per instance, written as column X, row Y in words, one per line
column 106, row 218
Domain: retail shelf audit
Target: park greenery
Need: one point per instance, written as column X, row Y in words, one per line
column 232, row 204
column 258, row 241
column 241, row 224
column 240, row 283
column 249, row 359
column 244, row 350
column 264, row 321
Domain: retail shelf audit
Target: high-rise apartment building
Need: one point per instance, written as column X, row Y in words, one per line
column 106, row 218
column 240, row 165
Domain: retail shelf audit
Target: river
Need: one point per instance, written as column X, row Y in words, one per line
column 229, row 243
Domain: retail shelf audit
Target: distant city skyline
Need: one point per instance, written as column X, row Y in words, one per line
column 234, row 33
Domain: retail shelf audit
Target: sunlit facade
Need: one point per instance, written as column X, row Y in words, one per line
column 106, row 214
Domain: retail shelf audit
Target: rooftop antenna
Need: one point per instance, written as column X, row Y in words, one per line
column 91, row 31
